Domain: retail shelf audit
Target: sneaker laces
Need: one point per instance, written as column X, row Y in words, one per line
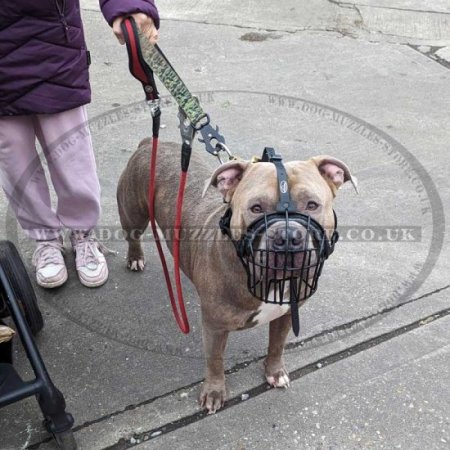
column 48, row 252
column 85, row 245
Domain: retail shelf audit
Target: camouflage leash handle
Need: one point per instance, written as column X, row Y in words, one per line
column 190, row 107
column 162, row 68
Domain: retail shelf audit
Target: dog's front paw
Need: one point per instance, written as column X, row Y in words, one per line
column 212, row 396
column 276, row 375
column 136, row 264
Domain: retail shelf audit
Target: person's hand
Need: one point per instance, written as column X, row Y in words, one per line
column 143, row 22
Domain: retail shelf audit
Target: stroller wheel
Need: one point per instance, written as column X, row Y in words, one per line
column 17, row 275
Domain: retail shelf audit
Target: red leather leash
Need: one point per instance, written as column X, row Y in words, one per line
column 140, row 70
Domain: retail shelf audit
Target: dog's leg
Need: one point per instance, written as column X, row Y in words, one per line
column 134, row 221
column 135, row 257
column 275, row 371
column 213, row 393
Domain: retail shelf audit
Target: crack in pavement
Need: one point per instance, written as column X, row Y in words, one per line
column 350, row 30
column 348, row 328
column 325, row 29
column 231, row 25
column 357, row 324
column 431, row 54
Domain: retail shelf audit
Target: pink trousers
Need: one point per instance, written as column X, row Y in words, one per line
column 67, row 151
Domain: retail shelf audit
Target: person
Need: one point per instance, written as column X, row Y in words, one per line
column 44, row 87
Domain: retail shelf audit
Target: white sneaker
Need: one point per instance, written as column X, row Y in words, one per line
column 89, row 258
column 48, row 259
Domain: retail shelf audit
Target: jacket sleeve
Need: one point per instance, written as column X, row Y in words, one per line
column 115, row 8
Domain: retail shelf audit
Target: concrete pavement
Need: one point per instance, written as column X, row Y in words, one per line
column 367, row 83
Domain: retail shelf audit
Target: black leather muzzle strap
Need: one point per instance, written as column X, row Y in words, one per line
column 284, row 206
column 285, row 203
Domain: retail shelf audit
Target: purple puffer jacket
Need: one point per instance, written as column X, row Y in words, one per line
column 43, row 56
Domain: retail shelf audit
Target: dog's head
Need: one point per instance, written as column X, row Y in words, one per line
column 251, row 189
column 281, row 248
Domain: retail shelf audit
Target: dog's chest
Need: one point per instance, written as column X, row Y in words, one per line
column 268, row 312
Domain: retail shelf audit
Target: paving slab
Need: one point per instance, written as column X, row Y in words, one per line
column 395, row 395
column 380, row 106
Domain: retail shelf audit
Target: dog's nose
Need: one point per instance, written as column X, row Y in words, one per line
column 287, row 239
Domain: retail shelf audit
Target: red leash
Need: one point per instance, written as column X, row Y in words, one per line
column 140, row 70
column 179, row 314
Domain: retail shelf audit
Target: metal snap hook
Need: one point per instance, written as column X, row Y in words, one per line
column 221, row 147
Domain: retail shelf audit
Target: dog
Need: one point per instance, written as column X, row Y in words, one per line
column 212, row 264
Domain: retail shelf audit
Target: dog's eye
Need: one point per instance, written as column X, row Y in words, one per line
column 312, row 206
column 256, row 209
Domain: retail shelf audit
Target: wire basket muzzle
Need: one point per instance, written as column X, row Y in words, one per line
column 284, row 274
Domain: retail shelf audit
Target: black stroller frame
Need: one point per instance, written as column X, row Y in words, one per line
column 15, row 293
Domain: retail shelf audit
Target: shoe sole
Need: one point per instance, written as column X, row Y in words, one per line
column 53, row 284
column 94, row 284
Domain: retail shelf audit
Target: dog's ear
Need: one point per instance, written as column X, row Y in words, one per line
column 227, row 177
column 335, row 172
